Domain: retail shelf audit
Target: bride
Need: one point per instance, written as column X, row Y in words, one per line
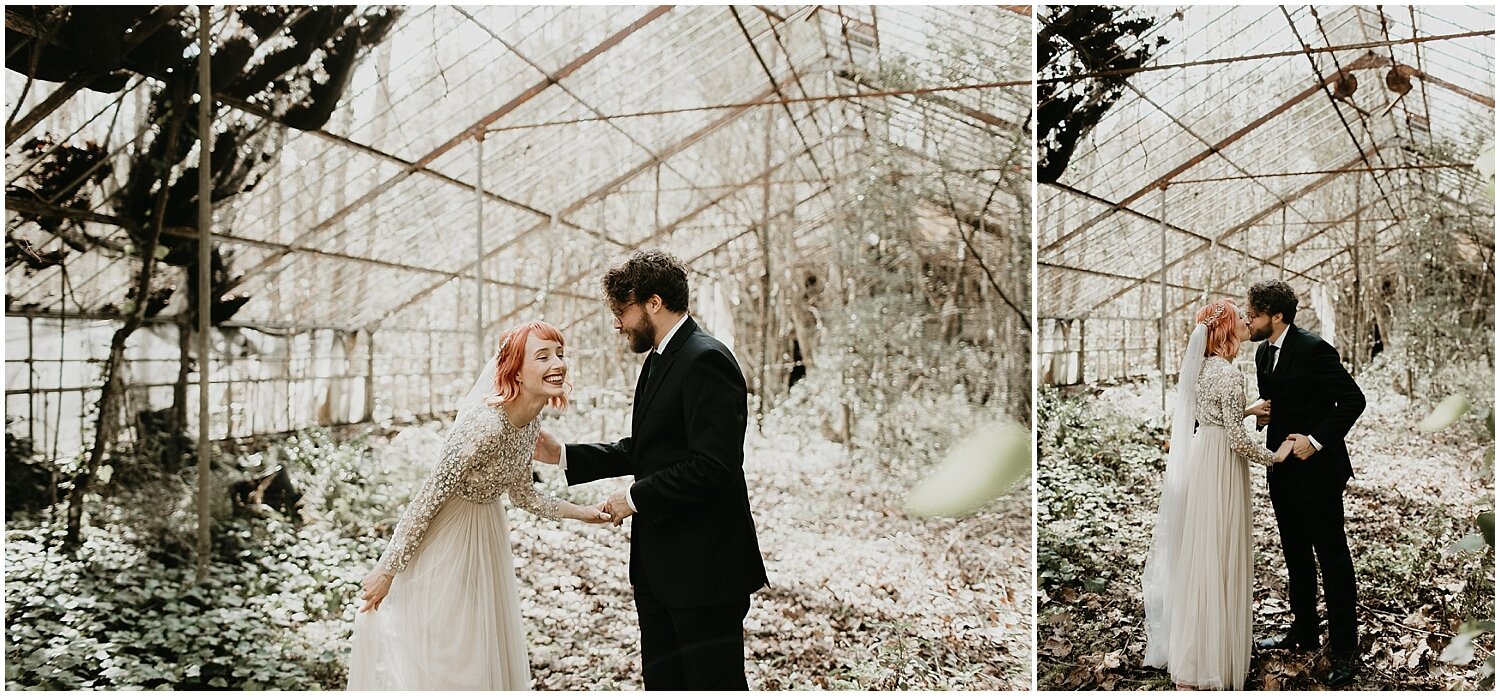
column 1197, row 577
column 440, row 608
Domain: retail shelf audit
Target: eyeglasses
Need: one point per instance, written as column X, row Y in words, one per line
column 620, row 311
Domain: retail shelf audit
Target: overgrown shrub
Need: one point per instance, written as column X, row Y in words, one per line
column 275, row 612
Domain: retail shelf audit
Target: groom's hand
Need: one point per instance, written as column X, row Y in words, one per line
column 548, row 449
column 1302, row 447
column 618, row 507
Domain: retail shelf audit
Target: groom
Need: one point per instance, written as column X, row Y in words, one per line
column 694, row 559
column 1314, row 403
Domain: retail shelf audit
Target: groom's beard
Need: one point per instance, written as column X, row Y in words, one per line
column 1260, row 334
column 642, row 337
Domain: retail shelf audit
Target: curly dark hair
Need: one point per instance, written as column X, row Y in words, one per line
column 1274, row 297
column 644, row 274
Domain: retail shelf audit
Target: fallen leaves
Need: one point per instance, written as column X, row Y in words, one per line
column 1413, row 497
column 862, row 595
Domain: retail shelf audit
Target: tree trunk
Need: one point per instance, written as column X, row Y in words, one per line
column 109, row 396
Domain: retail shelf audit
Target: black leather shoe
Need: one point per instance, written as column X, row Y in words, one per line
column 1342, row 671
column 1289, row 641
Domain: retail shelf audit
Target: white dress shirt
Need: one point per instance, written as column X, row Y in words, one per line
column 658, row 348
column 1276, row 360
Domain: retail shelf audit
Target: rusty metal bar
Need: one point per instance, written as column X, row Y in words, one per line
column 1112, row 276
column 1388, row 168
column 205, row 287
column 506, row 108
column 1211, row 150
column 764, row 101
column 1265, row 56
column 592, row 268
column 1242, row 226
column 23, row 205
column 572, row 207
column 1289, row 248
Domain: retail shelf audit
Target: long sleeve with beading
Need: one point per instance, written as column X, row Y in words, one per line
column 1221, row 401
column 483, row 457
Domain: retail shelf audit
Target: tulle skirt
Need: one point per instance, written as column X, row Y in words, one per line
column 451, row 620
column 1210, row 630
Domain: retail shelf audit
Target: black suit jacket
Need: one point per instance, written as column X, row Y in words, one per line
column 1312, row 394
column 692, row 539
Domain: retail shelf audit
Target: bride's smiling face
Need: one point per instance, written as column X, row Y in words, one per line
column 543, row 370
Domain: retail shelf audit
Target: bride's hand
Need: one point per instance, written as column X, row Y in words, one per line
column 1283, row 452
column 595, row 514
column 375, row 585
column 1260, row 409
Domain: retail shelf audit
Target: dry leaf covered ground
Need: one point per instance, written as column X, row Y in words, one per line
column 1413, row 497
column 862, row 596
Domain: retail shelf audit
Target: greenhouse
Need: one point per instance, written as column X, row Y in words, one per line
column 1186, row 154
column 387, row 189
column 1305, row 144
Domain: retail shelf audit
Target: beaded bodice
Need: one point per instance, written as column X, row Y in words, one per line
column 484, row 456
column 1221, row 402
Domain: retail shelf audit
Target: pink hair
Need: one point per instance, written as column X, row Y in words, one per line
column 1223, row 340
column 513, row 353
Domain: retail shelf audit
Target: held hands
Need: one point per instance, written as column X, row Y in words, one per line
column 1262, row 412
column 1302, row 446
column 375, row 586
column 548, row 449
column 595, row 514
column 617, row 506
column 1282, row 452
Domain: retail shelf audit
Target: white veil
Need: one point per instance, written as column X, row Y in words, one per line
column 484, row 387
column 1166, row 538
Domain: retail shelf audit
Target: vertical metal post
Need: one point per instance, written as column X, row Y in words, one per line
column 367, row 414
column 1282, row 261
column 479, row 246
column 31, row 382
column 205, row 245
column 1083, row 350
column 1359, row 324
column 1161, row 325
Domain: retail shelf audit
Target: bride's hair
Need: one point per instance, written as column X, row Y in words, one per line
column 1219, row 317
column 512, row 354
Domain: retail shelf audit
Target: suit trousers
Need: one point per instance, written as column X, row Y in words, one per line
column 693, row 648
column 1310, row 519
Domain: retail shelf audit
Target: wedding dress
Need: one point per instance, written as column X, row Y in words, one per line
column 1203, row 635
column 451, row 619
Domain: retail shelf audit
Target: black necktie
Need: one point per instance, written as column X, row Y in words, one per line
column 650, row 365
column 1271, row 359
